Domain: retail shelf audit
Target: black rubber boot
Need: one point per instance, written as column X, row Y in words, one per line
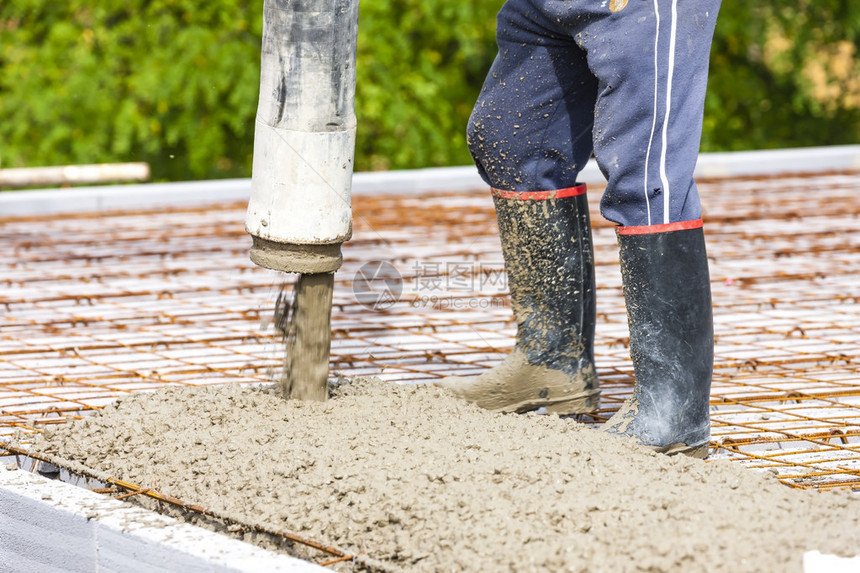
column 546, row 242
column 668, row 294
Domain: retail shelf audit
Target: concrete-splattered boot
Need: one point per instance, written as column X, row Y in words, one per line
column 668, row 294
column 546, row 243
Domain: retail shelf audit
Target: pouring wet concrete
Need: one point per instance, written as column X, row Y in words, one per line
column 416, row 478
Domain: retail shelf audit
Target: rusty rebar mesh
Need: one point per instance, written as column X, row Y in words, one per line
column 96, row 306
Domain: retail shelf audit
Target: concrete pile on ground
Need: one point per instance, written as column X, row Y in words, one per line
column 416, row 478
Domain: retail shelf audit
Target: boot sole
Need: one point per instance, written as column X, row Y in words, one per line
column 699, row 451
column 580, row 404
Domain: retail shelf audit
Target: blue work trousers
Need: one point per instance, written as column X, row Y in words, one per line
column 623, row 79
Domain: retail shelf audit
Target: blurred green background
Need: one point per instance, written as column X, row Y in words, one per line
column 174, row 82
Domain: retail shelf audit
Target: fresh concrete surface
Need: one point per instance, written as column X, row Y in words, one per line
column 50, row 526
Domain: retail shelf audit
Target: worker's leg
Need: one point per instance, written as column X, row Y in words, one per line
column 531, row 128
column 651, row 59
column 530, row 135
column 668, row 294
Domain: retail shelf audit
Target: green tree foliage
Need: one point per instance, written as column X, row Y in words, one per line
column 421, row 64
column 174, row 82
column 784, row 74
column 171, row 82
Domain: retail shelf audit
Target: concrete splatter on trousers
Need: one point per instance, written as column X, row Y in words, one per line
column 624, row 79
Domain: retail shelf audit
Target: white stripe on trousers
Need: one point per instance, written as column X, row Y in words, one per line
column 663, row 176
column 654, row 117
column 671, row 70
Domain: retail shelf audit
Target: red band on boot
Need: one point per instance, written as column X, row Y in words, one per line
column 540, row 195
column 665, row 228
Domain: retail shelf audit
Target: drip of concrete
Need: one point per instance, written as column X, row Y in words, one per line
column 307, row 334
